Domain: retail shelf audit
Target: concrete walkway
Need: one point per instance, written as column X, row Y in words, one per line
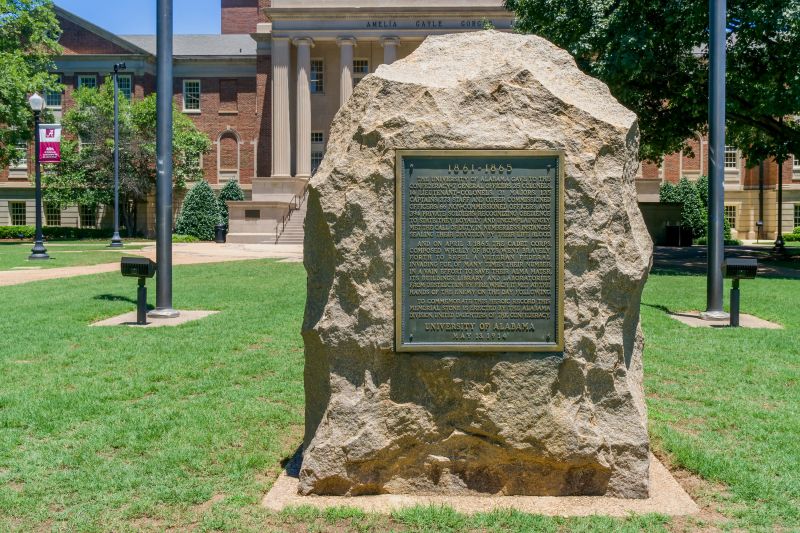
column 182, row 254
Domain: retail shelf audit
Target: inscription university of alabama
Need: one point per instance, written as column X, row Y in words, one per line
column 480, row 251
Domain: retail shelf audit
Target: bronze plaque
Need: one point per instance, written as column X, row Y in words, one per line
column 480, row 251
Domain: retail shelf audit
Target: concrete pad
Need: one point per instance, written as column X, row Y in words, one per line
column 129, row 319
column 693, row 320
column 666, row 497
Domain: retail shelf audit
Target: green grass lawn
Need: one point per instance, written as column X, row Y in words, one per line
column 130, row 429
column 14, row 255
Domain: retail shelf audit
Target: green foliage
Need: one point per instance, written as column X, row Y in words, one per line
column 231, row 192
column 654, row 58
column 199, row 214
column 184, row 238
column 53, row 233
column 86, row 174
column 29, row 35
column 792, row 237
column 692, row 195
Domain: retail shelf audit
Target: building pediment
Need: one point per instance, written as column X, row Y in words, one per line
column 81, row 37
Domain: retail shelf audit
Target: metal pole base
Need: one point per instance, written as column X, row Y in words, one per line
column 116, row 241
column 714, row 316
column 164, row 313
column 780, row 247
column 38, row 251
column 735, row 304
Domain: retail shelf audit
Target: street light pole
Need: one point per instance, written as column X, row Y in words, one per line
column 38, row 251
column 716, row 146
column 164, row 161
column 116, row 240
column 780, row 246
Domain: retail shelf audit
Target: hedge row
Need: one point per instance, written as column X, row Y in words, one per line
column 54, row 233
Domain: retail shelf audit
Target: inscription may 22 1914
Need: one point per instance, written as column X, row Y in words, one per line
column 479, row 251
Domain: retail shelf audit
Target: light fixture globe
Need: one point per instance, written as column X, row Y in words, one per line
column 36, row 102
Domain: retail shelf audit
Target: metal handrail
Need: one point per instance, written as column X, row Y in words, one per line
column 294, row 205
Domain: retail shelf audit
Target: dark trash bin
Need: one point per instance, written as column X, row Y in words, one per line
column 687, row 238
column 220, row 233
column 672, row 236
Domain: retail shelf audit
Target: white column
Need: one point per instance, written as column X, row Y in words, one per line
column 281, row 137
column 346, row 45
column 390, row 45
column 303, row 125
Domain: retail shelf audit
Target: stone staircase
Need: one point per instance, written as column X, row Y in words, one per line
column 293, row 234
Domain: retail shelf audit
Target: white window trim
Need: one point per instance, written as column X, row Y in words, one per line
column 129, row 77
column 324, row 76
column 11, row 212
column 199, row 97
column 322, row 135
column 737, row 207
column 81, row 76
column 361, row 75
column 56, row 107
column 20, row 165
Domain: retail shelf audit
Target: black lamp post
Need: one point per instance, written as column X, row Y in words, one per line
column 38, row 251
column 716, row 148
column 116, row 240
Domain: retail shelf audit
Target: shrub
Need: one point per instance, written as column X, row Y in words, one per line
column 231, row 192
column 199, row 214
column 703, row 241
column 791, row 237
column 54, row 233
column 184, row 238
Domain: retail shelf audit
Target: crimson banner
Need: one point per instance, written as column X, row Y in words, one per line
column 50, row 143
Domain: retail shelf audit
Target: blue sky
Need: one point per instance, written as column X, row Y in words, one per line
column 139, row 16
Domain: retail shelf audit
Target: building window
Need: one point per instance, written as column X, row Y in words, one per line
column 317, row 137
column 191, row 95
column 360, row 69
column 89, row 81
column 88, row 216
column 228, row 156
column 53, row 98
column 125, row 84
column 797, row 215
column 228, row 96
column 317, row 79
column 731, row 157
column 796, row 163
column 21, row 162
column 18, row 213
column 316, row 160
column 52, row 215
column 730, row 216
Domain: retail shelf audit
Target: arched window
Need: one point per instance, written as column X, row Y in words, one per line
column 228, row 156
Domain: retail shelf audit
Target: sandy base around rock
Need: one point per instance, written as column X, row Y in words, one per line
column 129, row 319
column 666, row 497
column 693, row 320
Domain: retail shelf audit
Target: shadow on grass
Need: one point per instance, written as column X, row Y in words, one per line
column 118, row 298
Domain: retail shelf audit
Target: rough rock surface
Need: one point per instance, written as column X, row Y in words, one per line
column 458, row 423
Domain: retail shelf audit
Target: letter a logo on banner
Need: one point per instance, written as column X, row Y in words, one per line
column 50, row 143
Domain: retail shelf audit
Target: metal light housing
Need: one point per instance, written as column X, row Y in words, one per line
column 36, row 102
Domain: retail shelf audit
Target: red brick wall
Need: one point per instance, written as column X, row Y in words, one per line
column 77, row 41
column 239, row 16
column 214, row 122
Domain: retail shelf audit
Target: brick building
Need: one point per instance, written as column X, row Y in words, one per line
column 266, row 89
column 751, row 193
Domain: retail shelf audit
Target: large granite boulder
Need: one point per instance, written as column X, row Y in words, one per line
column 571, row 423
